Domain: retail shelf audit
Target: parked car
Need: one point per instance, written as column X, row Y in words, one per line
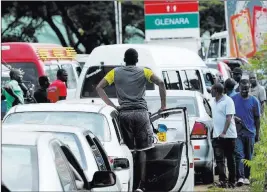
column 222, row 67
column 200, row 123
column 161, row 175
column 100, row 120
column 39, row 162
column 86, row 148
column 217, row 75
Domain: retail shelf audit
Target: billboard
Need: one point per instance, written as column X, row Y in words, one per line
column 247, row 26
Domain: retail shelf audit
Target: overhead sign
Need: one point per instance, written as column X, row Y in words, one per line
column 171, row 19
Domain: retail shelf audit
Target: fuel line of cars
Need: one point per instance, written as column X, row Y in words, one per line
column 82, row 138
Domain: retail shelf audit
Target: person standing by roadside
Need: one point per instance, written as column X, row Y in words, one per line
column 57, row 90
column 41, row 94
column 130, row 83
column 12, row 91
column 248, row 114
column 229, row 86
column 237, row 75
column 257, row 90
column 224, row 135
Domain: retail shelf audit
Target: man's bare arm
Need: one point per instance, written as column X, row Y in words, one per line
column 227, row 123
column 162, row 91
column 101, row 92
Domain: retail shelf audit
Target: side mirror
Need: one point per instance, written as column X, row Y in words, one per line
column 121, row 163
column 103, row 179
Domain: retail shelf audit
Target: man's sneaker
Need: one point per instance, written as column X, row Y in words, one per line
column 240, row 182
column 231, row 185
column 246, row 181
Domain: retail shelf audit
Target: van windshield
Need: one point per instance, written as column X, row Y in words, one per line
column 94, row 75
column 30, row 72
column 213, row 49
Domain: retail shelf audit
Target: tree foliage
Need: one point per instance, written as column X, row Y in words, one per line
column 92, row 23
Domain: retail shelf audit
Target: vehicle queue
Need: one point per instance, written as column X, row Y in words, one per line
column 85, row 128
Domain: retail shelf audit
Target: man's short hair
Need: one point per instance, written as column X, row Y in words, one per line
column 43, row 79
column 218, row 87
column 237, row 70
column 60, row 72
column 230, row 84
column 244, row 82
column 131, row 56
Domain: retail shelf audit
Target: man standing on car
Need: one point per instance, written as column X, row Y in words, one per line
column 58, row 89
column 229, row 86
column 41, row 94
column 257, row 90
column 224, row 135
column 12, row 92
column 237, row 75
column 130, row 83
column 248, row 114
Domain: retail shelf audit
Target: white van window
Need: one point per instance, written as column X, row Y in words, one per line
column 191, row 80
column 223, row 47
column 71, row 83
column 94, row 75
column 51, row 71
column 172, row 80
column 214, row 49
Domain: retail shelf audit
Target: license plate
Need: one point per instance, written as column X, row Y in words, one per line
column 162, row 137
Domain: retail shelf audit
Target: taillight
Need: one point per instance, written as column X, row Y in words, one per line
column 220, row 68
column 199, row 131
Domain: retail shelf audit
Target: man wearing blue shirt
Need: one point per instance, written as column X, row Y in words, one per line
column 248, row 112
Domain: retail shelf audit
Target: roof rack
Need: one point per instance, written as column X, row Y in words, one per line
column 56, row 53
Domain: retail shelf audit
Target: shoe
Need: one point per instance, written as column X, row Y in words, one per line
column 246, row 181
column 240, row 182
column 231, row 185
column 139, row 190
column 221, row 184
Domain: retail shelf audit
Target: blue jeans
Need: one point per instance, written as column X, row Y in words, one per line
column 244, row 150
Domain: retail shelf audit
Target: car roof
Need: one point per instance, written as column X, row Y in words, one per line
column 22, row 138
column 61, row 107
column 172, row 93
column 45, row 128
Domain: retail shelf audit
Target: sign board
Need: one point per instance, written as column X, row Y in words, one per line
column 171, row 19
column 246, row 23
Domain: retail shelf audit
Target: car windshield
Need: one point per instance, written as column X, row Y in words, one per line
column 30, row 72
column 20, row 167
column 75, row 146
column 154, row 103
column 94, row 122
column 94, row 75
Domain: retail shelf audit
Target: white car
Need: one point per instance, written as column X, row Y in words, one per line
column 37, row 162
column 82, row 143
column 201, row 126
column 99, row 119
column 170, row 164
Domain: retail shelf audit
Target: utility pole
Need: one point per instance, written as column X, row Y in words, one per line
column 118, row 21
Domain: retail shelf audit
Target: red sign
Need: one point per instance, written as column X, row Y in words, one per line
column 164, row 2
column 171, row 8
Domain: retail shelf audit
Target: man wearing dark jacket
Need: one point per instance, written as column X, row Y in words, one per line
column 41, row 94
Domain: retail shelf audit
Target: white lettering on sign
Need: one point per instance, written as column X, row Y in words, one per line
column 5, row 47
column 174, row 21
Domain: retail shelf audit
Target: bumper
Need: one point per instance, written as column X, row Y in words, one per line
column 203, row 154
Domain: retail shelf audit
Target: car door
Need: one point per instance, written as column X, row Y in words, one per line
column 168, row 163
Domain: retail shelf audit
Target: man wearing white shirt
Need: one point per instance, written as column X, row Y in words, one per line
column 224, row 135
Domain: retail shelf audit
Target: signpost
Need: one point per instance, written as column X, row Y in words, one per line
column 171, row 19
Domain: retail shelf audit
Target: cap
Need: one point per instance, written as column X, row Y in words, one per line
column 237, row 70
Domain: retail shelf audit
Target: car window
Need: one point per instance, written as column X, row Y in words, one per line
column 115, row 122
column 94, row 75
column 207, row 107
column 97, row 155
column 71, row 83
column 65, row 174
column 103, row 152
column 172, row 80
column 30, row 72
column 223, row 47
column 191, row 80
column 154, row 103
column 75, row 145
column 20, row 167
column 208, row 82
column 51, row 71
column 95, row 122
column 213, row 49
